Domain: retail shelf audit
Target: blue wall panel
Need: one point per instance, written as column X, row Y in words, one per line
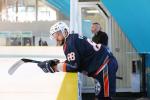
column 62, row 5
column 133, row 16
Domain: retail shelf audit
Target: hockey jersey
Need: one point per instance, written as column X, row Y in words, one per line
column 82, row 54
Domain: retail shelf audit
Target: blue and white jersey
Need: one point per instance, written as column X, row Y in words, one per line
column 82, row 54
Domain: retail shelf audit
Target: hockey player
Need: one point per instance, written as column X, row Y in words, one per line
column 83, row 55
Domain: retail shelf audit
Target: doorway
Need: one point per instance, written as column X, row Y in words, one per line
column 90, row 12
column 136, row 75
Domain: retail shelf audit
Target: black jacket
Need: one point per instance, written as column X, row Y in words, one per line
column 100, row 37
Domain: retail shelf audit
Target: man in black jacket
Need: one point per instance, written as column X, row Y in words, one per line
column 99, row 36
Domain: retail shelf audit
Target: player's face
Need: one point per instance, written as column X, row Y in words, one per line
column 59, row 38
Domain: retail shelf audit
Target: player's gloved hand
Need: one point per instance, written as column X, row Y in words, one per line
column 48, row 65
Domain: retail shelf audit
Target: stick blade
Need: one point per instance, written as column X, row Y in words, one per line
column 15, row 66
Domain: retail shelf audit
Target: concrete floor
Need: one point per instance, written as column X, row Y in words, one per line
column 130, row 98
column 124, row 96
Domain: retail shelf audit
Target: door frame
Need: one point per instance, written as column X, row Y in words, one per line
column 102, row 11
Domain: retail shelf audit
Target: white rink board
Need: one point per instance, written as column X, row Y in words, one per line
column 28, row 83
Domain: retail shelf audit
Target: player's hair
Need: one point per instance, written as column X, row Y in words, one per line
column 96, row 23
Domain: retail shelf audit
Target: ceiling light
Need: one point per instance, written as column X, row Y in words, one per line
column 92, row 11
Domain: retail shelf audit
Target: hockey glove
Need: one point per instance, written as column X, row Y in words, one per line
column 48, row 65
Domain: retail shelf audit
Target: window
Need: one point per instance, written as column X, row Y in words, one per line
column 26, row 11
column 45, row 13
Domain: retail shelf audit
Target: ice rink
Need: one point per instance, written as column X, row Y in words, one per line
column 28, row 82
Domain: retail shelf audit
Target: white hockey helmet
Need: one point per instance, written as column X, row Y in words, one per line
column 59, row 26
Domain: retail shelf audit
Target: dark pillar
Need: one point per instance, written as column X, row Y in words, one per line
column 143, row 74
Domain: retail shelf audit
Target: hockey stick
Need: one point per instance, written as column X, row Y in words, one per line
column 19, row 63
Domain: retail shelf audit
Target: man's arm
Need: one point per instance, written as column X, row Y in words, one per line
column 104, row 39
column 64, row 67
column 51, row 66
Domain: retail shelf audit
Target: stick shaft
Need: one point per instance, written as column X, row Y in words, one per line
column 30, row 60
